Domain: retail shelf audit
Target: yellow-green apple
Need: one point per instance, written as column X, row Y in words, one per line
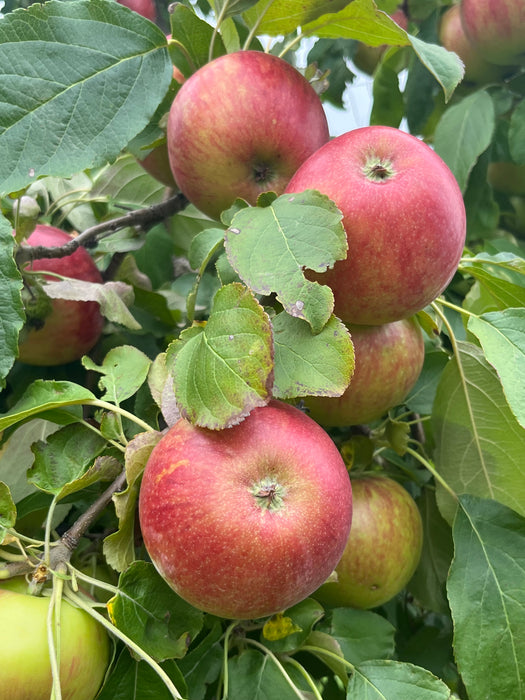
column 71, row 328
column 26, row 670
column 242, row 125
column 496, row 28
column 507, row 177
column 146, row 8
column 247, row 521
column 478, row 70
column 388, row 361
column 367, row 57
column 383, row 548
column 404, row 218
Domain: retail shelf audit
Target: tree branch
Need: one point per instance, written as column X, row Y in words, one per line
column 145, row 218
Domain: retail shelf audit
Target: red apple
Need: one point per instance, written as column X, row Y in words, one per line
column 452, row 36
column 146, row 8
column 404, row 218
column 507, row 177
column 247, row 521
column 496, row 28
column 367, row 57
column 72, row 328
column 26, row 671
column 242, row 125
column 388, row 361
column 383, row 548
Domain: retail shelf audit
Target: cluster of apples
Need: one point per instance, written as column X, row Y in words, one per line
column 247, row 521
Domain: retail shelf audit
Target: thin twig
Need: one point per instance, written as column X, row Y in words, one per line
column 144, row 218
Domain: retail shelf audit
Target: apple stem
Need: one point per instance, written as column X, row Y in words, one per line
column 318, row 651
column 253, row 31
column 225, row 676
column 279, row 665
column 304, row 673
column 437, row 476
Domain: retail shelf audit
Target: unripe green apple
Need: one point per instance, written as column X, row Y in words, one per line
column 70, row 328
column 25, row 668
column 388, row 361
column 383, row 548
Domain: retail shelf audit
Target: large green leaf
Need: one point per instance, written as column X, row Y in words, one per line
column 393, row 680
column 464, row 132
column 284, row 16
column 268, row 247
column 502, row 337
column 78, row 80
column 256, row 676
column 361, row 634
column 486, row 590
column 224, row 369
column 479, row 443
column 148, row 611
column 501, row 275
column 11, row 308
column 308, row 364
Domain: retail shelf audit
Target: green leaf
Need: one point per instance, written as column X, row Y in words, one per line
column 7, row 510
column 302, row 617
column 479, row 443
column 119, row 546
column 486, row 589
column 502, row 275
column 502, row 337
column 390, row 680
column 148, row 611
column 113, row 297
column 228, row 8
column 269, row 248
column 517, row 133
column 361, row 634
column 190, row 40
column 132, row 679
column 12, row 309
column 202, row 665
column 224, row 369
column 444, row 65
column 126, row 182
column 464, row 132
column 308, row 364
column 388, row 106
column 42, row 396
column 64, row 457
column 361, row 20
column 421, row 397
column 77, row 81
column 124, row 370
column 284, row 16
column 428, row 583
column 256, row 676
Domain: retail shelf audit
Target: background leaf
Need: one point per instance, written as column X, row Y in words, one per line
column 307, row 364
column 486, row 589
column 502, row 337
column 391, row 680
column 7, row 510
column 269, row 247
column 148, row 611
column 77, row 81
column 123, row 370
column 224, row 369
column 479, row 444
column 502, row 276
column 464, row 132
column 361, row 634
column 12, row 314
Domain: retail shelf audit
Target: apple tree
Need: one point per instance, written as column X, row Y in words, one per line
column 160, row 139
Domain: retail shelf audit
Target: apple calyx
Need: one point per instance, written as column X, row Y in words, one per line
column 269, row 494
column 378, row 169
column 262, row 172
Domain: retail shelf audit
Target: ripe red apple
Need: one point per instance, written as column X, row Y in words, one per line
column 388, row 361
column 383, row 548
column 404, row 218
column 452, row 36
column 26, row 671
column 146, row 8
column 242, row 125
column 247, row 521
column 71, row 328
column 367, row 57
column 496, row 28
